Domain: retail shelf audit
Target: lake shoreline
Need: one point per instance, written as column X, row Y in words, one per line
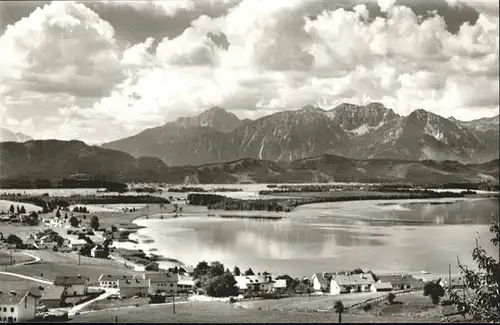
column 390, row 224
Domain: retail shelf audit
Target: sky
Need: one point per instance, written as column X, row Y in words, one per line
column 98, row 71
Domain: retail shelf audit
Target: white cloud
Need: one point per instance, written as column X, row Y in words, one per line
column 281, row 55
column 62, row 47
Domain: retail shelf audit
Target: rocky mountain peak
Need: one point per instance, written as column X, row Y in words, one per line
column 215, row 117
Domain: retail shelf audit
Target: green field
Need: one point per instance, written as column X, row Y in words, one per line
column 217, row 312
column 55, row 263
column 17, row 257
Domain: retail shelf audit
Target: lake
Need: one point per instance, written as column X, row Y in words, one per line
column 384, row 236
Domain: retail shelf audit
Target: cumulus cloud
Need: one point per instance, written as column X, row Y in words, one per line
column 62, row 47
column 258, row 58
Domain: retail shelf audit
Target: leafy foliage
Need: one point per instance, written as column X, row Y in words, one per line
column 391, row 297
column 434, row 290
column 73, row 221
column 481, row 298
column 249, row 272
column 339, row 309
column 13, row 239
column 94, row 223
column 222, row 286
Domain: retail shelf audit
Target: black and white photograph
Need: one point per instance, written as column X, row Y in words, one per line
column 249, row 161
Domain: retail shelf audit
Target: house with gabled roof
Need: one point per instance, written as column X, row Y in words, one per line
column 16, row 307
column 161, row 281
column 134, row 287
column 254, row 283
column 111, row 280
column 321, row 281
column 76, row 285
column 185, row 284
column 345, row 283
column 402, row 281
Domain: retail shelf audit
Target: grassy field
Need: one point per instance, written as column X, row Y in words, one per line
column 414, row 305
column 5, row 206
column 324, row 302
column 17, row 257
column 8, row 283
column 18, row 229
column 217, row 312
column 55, row 263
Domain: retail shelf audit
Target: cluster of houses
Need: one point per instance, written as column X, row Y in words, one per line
column 345, row 282
column 25, row 218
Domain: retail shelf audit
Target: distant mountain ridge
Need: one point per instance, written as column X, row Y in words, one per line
column 354, row 131
column 7, row 135
column 54, row 159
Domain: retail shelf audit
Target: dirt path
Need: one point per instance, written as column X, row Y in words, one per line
column 27, row 277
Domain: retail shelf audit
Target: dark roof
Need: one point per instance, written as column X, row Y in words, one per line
column 398, row 279
column 321, row 279
column 135, row 283
column 52, row 292
column 114, row 277
column 162, row 277
column 69, row 279
column 354, row 279
column 14, row 298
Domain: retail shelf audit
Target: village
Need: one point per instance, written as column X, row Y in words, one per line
column 138, row 278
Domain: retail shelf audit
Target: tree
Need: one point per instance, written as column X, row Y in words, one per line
column 249, row 272
column 483, row 303
column 84, row 217
column 114, row 229
column 59, row 240
column 11, row 209
column 339, row 309
column 18, row 209
column 65, row 216
column 236, row 271
column 390, row 298
column 13, row 239
column 222, row 286
column 94, row 223
column 434, row 290
column 58, row 214
column 216, row 269
column 73, row 221
column 201, row 269
column 23, row 210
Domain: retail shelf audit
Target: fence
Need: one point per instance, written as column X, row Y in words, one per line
column 384, row 297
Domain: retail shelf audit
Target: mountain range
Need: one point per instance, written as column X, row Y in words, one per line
column 353, row 131
column 7, row 135
column 54, row 159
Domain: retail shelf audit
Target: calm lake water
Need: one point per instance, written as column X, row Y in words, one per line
column 384, row 236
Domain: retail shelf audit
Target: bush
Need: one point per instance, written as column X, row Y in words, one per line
column 367, row 307
column 434, row 290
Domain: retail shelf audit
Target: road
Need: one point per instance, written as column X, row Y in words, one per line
column 26, row 277
column 109, row 291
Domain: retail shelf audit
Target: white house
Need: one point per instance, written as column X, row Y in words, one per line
column 111, row 281
column 161, row 282
column 402, row 281
column 18, row 307
column 381, row 286
column 75, row 285
column 134, row 287
column 279, row 285
column 254, row 283
column 185, row 283
column 345, row 283
column 77, row 244
column 321, row 281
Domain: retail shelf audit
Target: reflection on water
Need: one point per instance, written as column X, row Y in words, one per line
column 332, row 236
